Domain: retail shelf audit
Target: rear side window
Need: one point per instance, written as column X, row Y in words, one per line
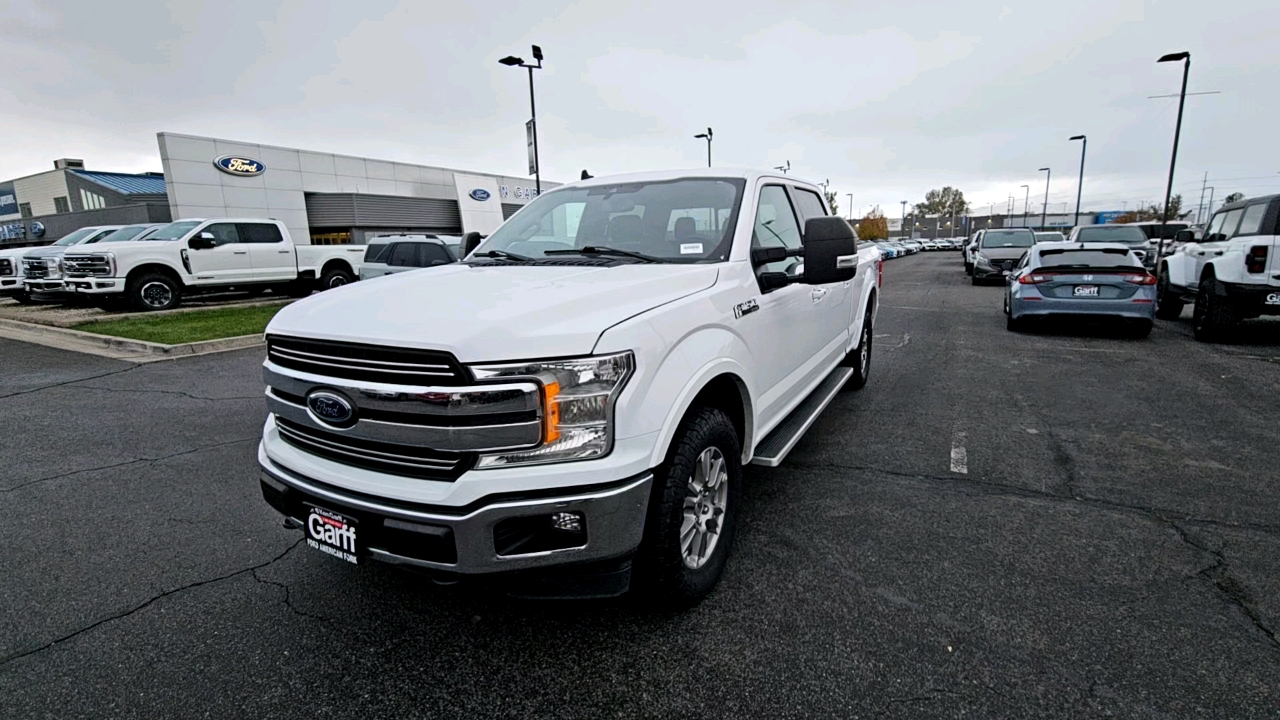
column 808, row 204
column 403, row 255
column 434, row 255
column 1100, row 259
column 259, row 233
column 1251, row 223
column 376, row 253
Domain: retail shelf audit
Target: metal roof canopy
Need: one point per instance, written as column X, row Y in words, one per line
column 126, row 183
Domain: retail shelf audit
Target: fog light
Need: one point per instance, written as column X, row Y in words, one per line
column 567, row 521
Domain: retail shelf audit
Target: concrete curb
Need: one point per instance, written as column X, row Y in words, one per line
column 34, row 317
column 139, row 351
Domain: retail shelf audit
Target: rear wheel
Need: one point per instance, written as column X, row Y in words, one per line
column 1168, row 306
column 690, row 524
column 153, row 291
column 1214, row 316
column 860, row 358
column 334, row 278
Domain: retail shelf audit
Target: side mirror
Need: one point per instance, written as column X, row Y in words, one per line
column 203, row 241
column 470, row 242
column 830, row 250
column 764, row 256
column 1184, row 236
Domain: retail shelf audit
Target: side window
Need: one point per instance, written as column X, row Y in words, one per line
column 809, row 204
column 775, row 226
column 1231, row 223
column 1215, row 227
column 433, row 254
column 403, row 254
column 259, row 233
column 1251, row 223
column 223, row 233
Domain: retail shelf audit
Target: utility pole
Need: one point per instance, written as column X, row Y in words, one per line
column 1177, row 131
column 1200, row 206
column 1026, row 201
column 850, row 206
column 1044, row 209
column 904, row 218
column 1084, row 145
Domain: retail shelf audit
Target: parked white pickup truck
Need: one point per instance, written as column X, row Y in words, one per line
column 1231, row 275
column 577, row 397
column 198, row 256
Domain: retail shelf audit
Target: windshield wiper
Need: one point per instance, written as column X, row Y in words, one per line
column 503, row 255
column 601, row 250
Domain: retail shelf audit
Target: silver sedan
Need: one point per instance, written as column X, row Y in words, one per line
column 1076, row 279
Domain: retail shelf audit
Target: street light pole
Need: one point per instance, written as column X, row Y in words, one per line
column 1026, row 200
column 1044, row 209
column 1177, row 131
column 513, row 61
column 706, row 136
column 904, row 217
column 850, row 206
column 1084, row 145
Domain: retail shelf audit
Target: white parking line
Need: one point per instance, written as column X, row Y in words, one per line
column 959, row 457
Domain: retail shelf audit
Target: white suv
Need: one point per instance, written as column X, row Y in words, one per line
column 1230, row 275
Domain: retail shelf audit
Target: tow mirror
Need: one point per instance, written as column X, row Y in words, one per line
column 773, row 280
column 764, row 256
column 830, row 250
column 470, row 242
column 203, row 241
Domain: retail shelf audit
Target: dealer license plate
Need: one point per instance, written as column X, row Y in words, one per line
column 1085, row 291
column 331, row 533
column 1273, row 299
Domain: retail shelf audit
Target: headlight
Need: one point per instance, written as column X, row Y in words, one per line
column 577, row 406
column 53, row 268
column 110, row 260
column 983, row 259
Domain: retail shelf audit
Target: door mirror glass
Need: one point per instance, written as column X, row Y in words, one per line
column 1184, row 236
column 830, row 251
column 203, row 241
column 470, row 242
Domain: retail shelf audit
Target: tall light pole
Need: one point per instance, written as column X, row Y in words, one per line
column 784, row 168
column 1044, row 209
column 513, row 61
column 904, row 217
column 706, row 136
column 1177, row 131
column 1084, row 145
column 1026, row 201
column 1203, row 186
column 850, row 206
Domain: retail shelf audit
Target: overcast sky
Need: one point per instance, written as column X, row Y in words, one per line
column 886, row 100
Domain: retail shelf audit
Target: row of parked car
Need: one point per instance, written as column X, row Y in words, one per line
column 898, row 247
column 1228, row 271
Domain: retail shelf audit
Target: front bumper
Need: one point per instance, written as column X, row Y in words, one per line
column 46, row 286
column 95, row 285
column 11, row 284
column 987, row 272
column 465, row 540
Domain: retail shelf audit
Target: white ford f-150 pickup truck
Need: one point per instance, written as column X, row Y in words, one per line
column 1231, row 275
column 207, row 255
column 567, row 411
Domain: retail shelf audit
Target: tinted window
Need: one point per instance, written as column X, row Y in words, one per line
column 75, row 237
column 809, row 204
column 1086, row 259
column 1251, row 223
column 97, row 236
column 173, row 231
column 259, row 233
column 775, row 226
column 376, row 253
column 403, row 254
column 433, row 254
column 1008, row 238
column 1127, row 234
column 223, row 233
column 1215, row 227
column 125, row 233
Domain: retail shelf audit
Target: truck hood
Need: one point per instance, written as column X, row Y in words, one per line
column 491, row 313
column 119, row 247
column 46, row 251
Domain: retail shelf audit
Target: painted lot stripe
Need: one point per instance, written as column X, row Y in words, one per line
column 959, row 457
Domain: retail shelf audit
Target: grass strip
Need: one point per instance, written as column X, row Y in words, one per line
column 187, row 327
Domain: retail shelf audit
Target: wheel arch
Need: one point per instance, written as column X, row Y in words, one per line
column 336, row 264
column 157, row 268
column 719, row 385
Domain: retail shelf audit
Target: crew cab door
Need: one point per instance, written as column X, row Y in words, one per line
column 271, row 258
column 224, row 264
column 1221, row 229
column 788, row 332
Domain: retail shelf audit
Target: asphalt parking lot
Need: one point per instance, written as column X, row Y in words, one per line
column 1111, row 548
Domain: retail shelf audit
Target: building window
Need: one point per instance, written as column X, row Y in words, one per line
column 331, row 238
column 91, row 201
column 61, row 205
column 25, row 209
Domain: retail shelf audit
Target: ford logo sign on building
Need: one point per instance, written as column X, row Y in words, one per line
column 331, row 408
column 479, row 194
column 236, row 165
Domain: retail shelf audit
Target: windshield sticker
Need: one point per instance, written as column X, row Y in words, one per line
column 690, row 248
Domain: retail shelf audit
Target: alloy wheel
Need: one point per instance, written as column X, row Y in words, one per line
column 156, row 295
column 704, row 508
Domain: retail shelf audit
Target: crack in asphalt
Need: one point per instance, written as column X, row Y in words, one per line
column 170, row 392
column 126, row 463
column 1218, row 575
column 69, row 382
column 288, row 597
column 143, row 605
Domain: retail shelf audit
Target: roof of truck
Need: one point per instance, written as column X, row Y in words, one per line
column 748, row 174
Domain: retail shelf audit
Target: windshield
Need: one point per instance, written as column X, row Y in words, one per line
column 1126, row 234
column 1008, row 239
column 128, row 232
column 76, row 236
column 684, row 221
column 173, row 231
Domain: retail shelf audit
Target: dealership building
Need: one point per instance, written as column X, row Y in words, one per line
column 323, row 198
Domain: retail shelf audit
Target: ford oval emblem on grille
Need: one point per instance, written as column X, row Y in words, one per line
column 236, row 165
column 331, row 408
column 479, row 194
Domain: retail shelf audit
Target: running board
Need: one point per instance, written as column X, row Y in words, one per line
column 774, row 448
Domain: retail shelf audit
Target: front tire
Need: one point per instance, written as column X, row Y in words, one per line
column 1214, row 317
column 692, row 510
column 153, row 291
column 1167, row 306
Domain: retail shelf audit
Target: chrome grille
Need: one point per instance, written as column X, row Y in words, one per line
column 86, row 266
column 353, row 361
column 391, row 458
column 33, row 268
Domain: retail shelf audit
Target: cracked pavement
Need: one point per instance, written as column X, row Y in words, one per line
column 1112, row 550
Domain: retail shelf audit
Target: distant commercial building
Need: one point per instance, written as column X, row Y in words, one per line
column 323, row 198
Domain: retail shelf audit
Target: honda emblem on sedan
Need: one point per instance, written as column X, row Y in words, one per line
column 331, row 408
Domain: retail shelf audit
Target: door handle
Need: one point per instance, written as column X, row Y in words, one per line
column 240, row 252
column 283, row 252
column 817, row 294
